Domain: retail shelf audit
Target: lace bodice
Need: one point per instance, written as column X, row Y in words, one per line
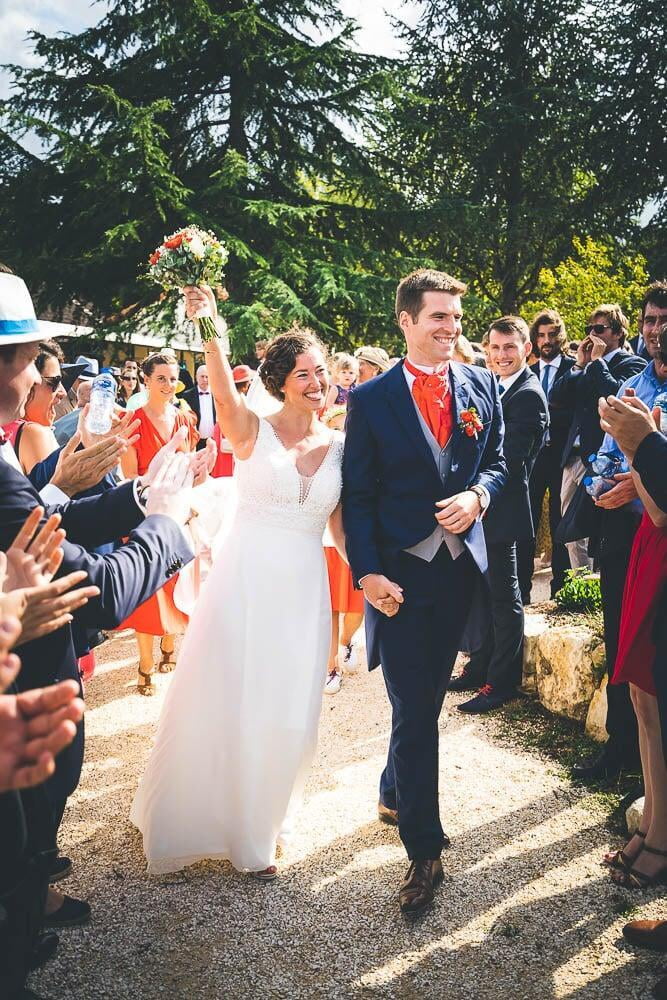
column 272, row 490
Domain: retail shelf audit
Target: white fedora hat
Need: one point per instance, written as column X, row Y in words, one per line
column 18, row 323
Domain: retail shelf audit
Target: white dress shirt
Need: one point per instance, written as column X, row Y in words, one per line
column 509, row 380
column 553, row 367
column 206, row 420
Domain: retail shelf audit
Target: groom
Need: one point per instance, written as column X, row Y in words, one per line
column 423, row 460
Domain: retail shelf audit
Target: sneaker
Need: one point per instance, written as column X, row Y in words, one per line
column 348, row 659
column 72, row 913
column 333, row 683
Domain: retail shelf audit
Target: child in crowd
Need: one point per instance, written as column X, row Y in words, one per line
column 344, row 373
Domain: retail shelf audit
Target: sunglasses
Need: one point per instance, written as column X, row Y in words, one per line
column 597, row 328
column 128, row 378
column 54, row 382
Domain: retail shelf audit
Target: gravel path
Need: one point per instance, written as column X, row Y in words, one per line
column 525, row 911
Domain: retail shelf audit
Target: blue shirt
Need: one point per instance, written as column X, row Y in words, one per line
column 647, row 386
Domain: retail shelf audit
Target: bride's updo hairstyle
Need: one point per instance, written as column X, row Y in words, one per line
column 281, row 355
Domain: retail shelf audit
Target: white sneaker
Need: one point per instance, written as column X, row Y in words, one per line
column 348, row 660
column 333, row 683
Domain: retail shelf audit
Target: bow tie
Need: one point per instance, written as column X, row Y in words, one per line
column 204, row 393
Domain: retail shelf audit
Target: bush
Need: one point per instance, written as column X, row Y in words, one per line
column 580, row 592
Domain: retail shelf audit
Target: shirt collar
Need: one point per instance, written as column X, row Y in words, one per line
column 511, row 379
column 610, row 354
column 551, row 364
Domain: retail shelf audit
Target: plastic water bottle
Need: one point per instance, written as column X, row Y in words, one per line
column 102, row 401
column 597, row 485
column 661, row 403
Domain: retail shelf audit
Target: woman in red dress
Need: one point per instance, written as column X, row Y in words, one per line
column 160, row 420
column 643, row 861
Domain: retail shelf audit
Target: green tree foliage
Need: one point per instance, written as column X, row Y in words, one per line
column 593, row 274
column 493, row 139
column 242, row 116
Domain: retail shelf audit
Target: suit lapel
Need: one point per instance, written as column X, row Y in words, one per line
column 461, row 394
column 403, row 406
column 508, row 393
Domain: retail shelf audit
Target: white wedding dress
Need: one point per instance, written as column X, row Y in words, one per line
column 238, row 729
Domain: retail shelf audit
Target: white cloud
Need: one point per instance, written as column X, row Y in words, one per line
column 18, row 17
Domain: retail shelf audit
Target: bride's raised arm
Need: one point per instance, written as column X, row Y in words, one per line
column 237, row 422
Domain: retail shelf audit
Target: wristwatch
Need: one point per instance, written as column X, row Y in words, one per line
column 482, row 496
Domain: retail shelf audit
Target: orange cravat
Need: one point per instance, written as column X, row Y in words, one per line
column 434, row 400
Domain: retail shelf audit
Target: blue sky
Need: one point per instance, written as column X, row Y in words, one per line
column 18, row 17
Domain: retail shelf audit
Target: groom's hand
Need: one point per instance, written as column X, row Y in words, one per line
column 457, row 513
column 384, row 595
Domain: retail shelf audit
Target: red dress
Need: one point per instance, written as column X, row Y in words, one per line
column 158, row 615
column 224, row 463
column 644, row 583
column 344, row 597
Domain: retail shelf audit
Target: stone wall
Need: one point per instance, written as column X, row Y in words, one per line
column 564, row 665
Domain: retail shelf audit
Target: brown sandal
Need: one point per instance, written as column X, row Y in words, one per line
column 638, row 881
column 167, row 662
column 619, row 860
column 146, row 689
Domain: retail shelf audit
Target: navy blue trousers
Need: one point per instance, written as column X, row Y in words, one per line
column 418, row 648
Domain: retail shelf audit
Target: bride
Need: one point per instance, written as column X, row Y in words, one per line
column 238, row 729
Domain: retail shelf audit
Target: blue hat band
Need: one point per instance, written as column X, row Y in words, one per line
column 10, row 327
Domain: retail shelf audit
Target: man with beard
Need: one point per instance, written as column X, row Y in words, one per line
column 549, row 339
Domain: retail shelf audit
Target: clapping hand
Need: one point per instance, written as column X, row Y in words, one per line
column 34, row 727
column 166, row 451
column 202, row 462
column 624, row 492
column 79, row 470
column 628, row 420
column 27, row 588
column 169, row 493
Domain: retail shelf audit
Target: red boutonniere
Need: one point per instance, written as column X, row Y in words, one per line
column 470, row 423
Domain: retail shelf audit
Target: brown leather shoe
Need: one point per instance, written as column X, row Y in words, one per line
column 418, row 886
column 387, row 815
column 651, row 934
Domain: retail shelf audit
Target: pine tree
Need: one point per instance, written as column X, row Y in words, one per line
column 494, row 139
column 243, row 116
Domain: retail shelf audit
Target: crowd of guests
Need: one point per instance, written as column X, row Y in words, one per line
column 91, row 539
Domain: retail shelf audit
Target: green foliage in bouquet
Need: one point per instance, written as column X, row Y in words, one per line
column 580, row 592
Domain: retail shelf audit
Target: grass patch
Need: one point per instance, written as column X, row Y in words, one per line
column 526, row 724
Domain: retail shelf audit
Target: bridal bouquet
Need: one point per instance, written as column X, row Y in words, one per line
column 191, row 256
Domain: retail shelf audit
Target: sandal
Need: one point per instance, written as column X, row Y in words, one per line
column 632, row 879
column 167, row 662
column 266, row 875
column 619, row 860
column 147, row 688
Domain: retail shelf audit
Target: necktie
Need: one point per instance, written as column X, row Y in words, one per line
column 434, row 401
column 501, row 388
column 545, row 380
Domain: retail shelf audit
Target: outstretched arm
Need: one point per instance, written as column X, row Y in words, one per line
column 237, row 422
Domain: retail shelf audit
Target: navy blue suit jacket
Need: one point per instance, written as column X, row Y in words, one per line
column 391, row 482
column 581, row 390
column 156, row 550
column 526, row 417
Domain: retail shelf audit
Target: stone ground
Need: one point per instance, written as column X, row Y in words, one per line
column 526, row 911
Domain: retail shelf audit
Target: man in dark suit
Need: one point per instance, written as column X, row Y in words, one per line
column 200, row 399
column 156, row 550
column 497, row 665
column 423, row 460
column 602, row 365
column 549, row 339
